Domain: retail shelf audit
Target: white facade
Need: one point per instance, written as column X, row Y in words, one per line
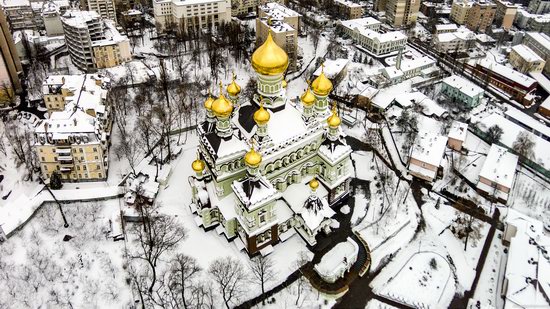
column 365, row 32
column 457, row 41
column 191, row 15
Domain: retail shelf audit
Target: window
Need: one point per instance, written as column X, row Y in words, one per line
column 84, row 167
column 262, row 216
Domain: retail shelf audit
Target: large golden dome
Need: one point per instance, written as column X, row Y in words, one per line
column 314, row 184
column 209, row 101
column 222, row 107
column 261, row 116
column 269, row 58
column 322, row 85
column 198, row 165
column 233, row 89
column 334, row 121
column 253, row 158
column 307, row 98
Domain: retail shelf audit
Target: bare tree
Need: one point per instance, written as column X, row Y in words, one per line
column 230, row 276
column 524, row 145
column 263, row 271
column 183, row 271
column 129, row 149
column 494, row 134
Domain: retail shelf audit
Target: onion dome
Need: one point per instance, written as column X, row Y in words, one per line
column 222, row 107
column 322, row 85
column 284, row 83
column 198, row 165
column 307, row 98
column 209, row 101
column 313, row 184
column 253, row 158
column 233, row 89
column 334, row 121
column 269, row 58
column 261, row 116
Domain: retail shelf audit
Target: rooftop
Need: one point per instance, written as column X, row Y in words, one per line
column 465, row 86
column 429, row 148
column 80, row 19
column 505, row 72
column 526, row 53
column 349, row 3
column 500, row 166
column 332, row 67
column 278, row 11
column 458, row 130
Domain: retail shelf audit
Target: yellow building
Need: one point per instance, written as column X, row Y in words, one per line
column 505, row 14
column 480, row 16
column 349, row 9
column 111, row 54
column 402, row 13
column 74, row 140
column 525, row 60
column 460, row 11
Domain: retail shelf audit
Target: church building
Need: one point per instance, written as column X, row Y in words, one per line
column 268, row 167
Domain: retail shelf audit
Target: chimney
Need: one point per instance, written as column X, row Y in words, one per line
column 398, row 61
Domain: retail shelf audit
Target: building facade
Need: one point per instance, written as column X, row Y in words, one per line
column 462, row 91
column 539, row 6
column 365, row 31
column 402, row 13
column 105, row 8
column 540, row 44
column 497, row 173
column 74, row 141
column 259, row 183
column 94, row 43
column 525, row 60
column 505, row 14
column 452, row 42
column 10, row 65
column 349, row 9
column 480, row 16
column 460, row 11
column 190, row 16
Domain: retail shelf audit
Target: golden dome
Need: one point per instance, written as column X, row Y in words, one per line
column 222, row 107
column 284, row 83
column 322, row 85
column 314, row 184
column 253, row 158
column 269, row 58
column 209, row 101
column 198, row 165
column 307, row 98
column 261, row 116
column 334, row 121
column 233, row 89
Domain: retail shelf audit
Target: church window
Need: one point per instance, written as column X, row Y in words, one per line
column 262, row 216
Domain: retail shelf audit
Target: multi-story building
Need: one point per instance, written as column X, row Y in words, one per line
column 21, row 15
column 190, row 16
column 481, row 15
column 365, row 31
column 539, row 6
column 457, row 41
column 105, row 8
column 94, row 43
column 284, row 24
column 74, row 140
column 460, row 11
column 525, row 60
column 505, row 14
column 248, row 7
column 445, row 28
column 406, row 69
column 402, row 13
column 10, row 65
column 460, row 90
column 51, row 14
column 540, row 23
column 497, row 174
column 349, row 9
column 258, row 182
column 426, row 155
column 540, row 44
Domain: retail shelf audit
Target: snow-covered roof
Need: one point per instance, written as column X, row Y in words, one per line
column 463, row 85
column 458, row 130
column 278, row 11
column 528, row 266
column 332, row 67
column 14, row 3
column 528, row 121
column 505, row 72
column 430, row 107
column 296, row 195
column 429, row 148
column 348, row 3
column 111, row 34
column 79, row 19
column 360, row 22
column 526, row 53
column 443, row 27
column 500, row 166
column 254, row 193
column 337, row 259
column 277, row 26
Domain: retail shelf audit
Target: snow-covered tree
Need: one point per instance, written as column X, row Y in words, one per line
column 524, row 145
column 230, row 277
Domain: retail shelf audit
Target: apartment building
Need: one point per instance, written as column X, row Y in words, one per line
column 539, row 6
column 349, row 9
column 460, row 11
column 74, row 141
column 426, row 155
column 105, row 8
column 540, row 44
column 457, row 41
column 94, row 43
column 445, row 28
column 51, row 15
column 481, row 15
column 497, row 174
column 284, row 24
column 505, row 14
column 402, row 13
column 190, row 16
column 365, row 31
column 245, row 7
column 10, row 65
column 461, row 90
column 525, row 60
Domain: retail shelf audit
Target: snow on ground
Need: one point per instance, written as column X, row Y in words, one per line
column 300, row 294
column 365, row 169
column 376, row 304
column 490, row 282
column 530, row 195
column 39, row 269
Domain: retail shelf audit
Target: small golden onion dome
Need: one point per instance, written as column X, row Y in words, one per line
column 284, row 83
column 307, row 98
column 314, row 184
column 222, row 107
column 209, row 101
column 253, row 158
column 334, row 121
column 261, row 116
column 269, row 58
column 322, row 85
column 233, row 89
column 198, row 165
